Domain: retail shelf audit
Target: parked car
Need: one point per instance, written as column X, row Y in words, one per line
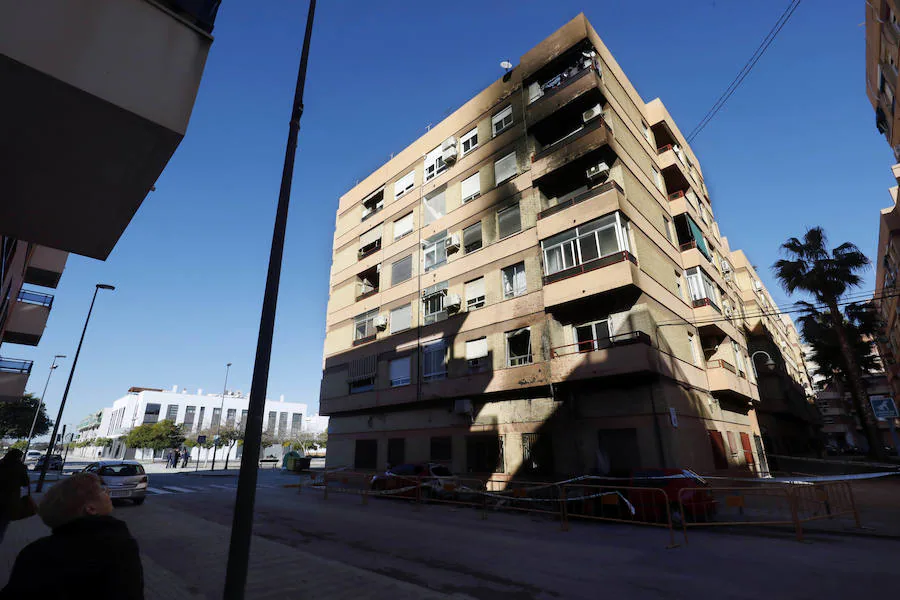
column 436, row 480
column 56, row 463
column 33, row 456
column 125, row 479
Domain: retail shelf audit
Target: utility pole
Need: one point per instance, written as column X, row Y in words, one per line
column 242, row 523
column 37, row 411
column 219, row 422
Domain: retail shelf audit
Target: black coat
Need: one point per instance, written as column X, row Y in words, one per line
column 90, row 558
column 13, row 477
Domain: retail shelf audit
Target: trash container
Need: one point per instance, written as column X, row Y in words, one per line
column 290, row 460
column 302, row 464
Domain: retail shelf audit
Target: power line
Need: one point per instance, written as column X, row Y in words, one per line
column 748, row 66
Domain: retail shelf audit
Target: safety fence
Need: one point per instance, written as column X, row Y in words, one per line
column 752, row 503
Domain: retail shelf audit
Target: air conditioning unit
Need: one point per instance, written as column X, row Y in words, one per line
column 757, row 285
column 449, row 150
column 451, row 244
column 592, row 113
column 598, row 172
column 463, row 406
column 452, row 302
column 727, row 275
column 380, row 321
column 729, row 312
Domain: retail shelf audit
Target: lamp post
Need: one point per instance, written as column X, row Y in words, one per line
column 219, row 422
column 242, row 522
column 770, row 364
column 62, row 404
column 37, row 411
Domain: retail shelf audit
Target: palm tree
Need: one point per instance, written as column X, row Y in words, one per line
column 827, row 276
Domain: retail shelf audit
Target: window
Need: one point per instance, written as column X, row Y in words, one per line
column 243, row 422
column 502, row 120
column 475, row 294
column 692, row 344
column 282, row 423
column 472, row 237
column 476, row 350
column 434, row 164
column 364, row 326
column 484, row 453
column 296, row 423
column 401, row 270
column 270, row 426
column 372, row 204
column 704, row 214
column 216, row 417
column 738, row 357
column 361, row 374
column 403, row 226
column 509, row 221
column 404, row 184
column 667, row 225
column 172, row 412
column 645, row 130
column 679, row 288
column 537, row 453
column 189, row 417
column 401, row 318
column 370, row 241
column 230, row 415
column 471, row 187
column 151, row 413
column 434, row 206
column 434, row 363
column 365, row 455
column 701, row 287
column 657, row 178
column 200, row 418
column 513, row 280
column 469, row 141
column 441, row 449
column 732, row 444
column 518, row 347
column 505, row 168
column 434, row 251
column 433, row 303
column 396, row 451
column 399, row 371
column 591, row 241
column 592, row 336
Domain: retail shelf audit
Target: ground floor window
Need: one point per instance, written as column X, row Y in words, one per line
column 717, row 445
column 484, row 454
column 366, row 454
column 441, row 449
column 396, row 451
column 537, row 453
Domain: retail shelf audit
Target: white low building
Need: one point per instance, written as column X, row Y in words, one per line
column 195, row 412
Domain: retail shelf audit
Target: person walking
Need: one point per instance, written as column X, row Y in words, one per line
column 177, row 459
column 169, row 459
column 185, row 458
column 13, row 477
column 92, row 554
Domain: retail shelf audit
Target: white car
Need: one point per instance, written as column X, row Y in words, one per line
column 33, row 456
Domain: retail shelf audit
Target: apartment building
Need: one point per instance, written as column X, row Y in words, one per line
column 842, row 427
column 536, row 287
column 788, row 420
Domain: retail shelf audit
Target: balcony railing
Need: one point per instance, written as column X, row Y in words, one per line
column 372, row 249
column 12, row 365
column 609, row 185
column 721, row 364
column 366, row 294
column 578, row 133
column 613, row 341
column 364, row 340
column 36, row 298
column 559, row 82
column 701, row 302
column 592, row 265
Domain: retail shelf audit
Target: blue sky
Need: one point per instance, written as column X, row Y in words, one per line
column 796, row 146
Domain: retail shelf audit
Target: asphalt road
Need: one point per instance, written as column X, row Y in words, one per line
column 506, row 556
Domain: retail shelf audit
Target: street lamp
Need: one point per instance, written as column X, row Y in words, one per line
column 62, row 404
column 37, row 411
column 219, row 422
column 770, row 364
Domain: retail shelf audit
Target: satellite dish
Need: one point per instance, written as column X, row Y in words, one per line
column 506, row 65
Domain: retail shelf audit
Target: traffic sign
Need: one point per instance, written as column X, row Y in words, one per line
column 883, row 407
column 201, row 439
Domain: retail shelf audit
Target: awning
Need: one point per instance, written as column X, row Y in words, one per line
column 698, row 238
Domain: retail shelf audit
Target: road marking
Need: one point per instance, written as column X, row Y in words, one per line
column 180, row 489
column 224, row 487
column 157, row 491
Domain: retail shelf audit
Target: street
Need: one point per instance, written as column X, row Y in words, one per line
column 307, row 546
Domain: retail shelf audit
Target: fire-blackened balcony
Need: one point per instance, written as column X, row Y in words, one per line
column 570, row 76
column 576, row 181
column 367, row 282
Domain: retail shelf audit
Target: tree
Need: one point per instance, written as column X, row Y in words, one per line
column 304, row 441
column 229, row 438
column 20, row 445
column 16, row 418
column 827, row 277
column 156, row 436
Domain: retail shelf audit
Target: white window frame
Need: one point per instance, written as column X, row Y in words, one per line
column 394, row 311
column 645, row 129
column 692, row 343
column 505, row 210
column 398, row 223
column 410, row 269
column 570, row 249
column 474, row 300
column 667, row 225
column 470, row 139
column 701, row 286
column 468, row 195
column 429, row 214
column 367, row 319
column 518, row 361
column 434, row 164
column 502, row 120
column 400, row 380
column 504, row 162
column 515, row 288
column 657, row 179
column 404, row 184
column 366, row 211
column 436, row 249
column 480, row 227
column 738, row 358
column 431, row 348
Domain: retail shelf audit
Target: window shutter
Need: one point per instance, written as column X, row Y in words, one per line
column 403, row 225
column 401, row 318
column 471, row 187
column 476, row 348
column 362, row 368
column 399, row 369
column 475, row 289
column 371, row 236
column 497, row 119
column 472, row 236
column 509, row 221
column 404, row 184
column 505, row 168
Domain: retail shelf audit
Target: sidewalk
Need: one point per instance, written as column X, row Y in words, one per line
column 197, row 569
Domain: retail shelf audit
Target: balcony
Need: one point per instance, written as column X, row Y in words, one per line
column 13, row 377
column 28, row 318
column 97, row 96
column 599, row 276
column 559, row 93
column 724, row 381
column 578, row 199
column 45, row 267
column 593, row 135
column 628, row 353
